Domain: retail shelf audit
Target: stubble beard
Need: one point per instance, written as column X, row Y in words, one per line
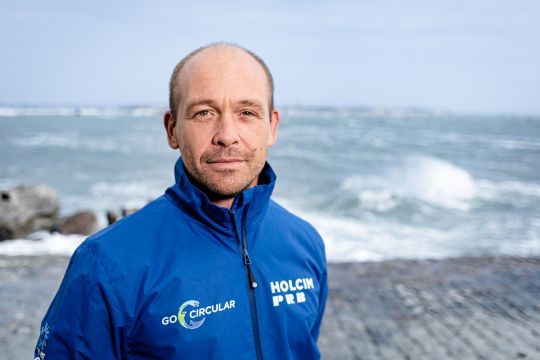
column 223, row 184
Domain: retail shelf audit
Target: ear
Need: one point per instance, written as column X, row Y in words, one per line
column 170, row 127
column 274, row 121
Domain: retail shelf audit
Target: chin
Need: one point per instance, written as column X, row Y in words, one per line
column 227, row 191
column 224, row 187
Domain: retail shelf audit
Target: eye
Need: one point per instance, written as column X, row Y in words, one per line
column 247, row 113
column 203, row 114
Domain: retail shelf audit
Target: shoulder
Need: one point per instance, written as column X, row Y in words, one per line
column 133, row 230
column 285, row 217
column 124, row 253
column 133, row 244
column 296, row 225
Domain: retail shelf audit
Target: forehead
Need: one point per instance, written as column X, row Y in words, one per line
column 217, row 70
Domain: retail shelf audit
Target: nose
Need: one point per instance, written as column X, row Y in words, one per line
column 226, row 132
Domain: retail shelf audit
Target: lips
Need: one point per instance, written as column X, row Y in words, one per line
column 226, row 164
column 214, row 161
column 226, row 158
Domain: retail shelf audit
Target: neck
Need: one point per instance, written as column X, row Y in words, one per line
column 226, row 203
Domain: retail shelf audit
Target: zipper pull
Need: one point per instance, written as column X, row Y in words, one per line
column 252, row 280
column 247, row 259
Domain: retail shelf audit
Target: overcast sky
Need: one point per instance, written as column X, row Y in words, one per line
column 465, row 56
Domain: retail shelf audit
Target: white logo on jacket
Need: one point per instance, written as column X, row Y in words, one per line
column 191, row 315
column 290, row 291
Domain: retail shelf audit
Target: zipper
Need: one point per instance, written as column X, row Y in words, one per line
column 252, row 285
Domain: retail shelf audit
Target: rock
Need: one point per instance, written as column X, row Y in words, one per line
column 126, row 212
column 26, row 209
column 113, row 216
column 82, row 222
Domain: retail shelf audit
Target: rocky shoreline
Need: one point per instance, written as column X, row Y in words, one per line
column 460, row 308
column 26, row 209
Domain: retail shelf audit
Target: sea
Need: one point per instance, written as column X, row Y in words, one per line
column 377, row 183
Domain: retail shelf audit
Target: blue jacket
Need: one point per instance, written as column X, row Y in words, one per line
column 185, row 279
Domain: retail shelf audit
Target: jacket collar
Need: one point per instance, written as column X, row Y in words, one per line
column 250, row 205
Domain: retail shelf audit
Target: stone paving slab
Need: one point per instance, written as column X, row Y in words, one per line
column 462, row 308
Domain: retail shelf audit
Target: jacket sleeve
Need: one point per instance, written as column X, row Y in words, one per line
column 323, row 294
column 84, row 320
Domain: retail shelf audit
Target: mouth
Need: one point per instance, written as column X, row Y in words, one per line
column 225, row 161
column 225, row 164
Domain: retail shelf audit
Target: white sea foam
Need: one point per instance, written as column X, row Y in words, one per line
column 37, row 111
column 377, row 239
column 348, row 239
column 420, row 177
column 85, row 111
column 355, row 112
column 42, row 243
column 496, row 189
column 137, row 191
column 126, row 145
column 47, row 139
column 517, row 144
column 113, row 196
column 8, row 112
column 521, row 248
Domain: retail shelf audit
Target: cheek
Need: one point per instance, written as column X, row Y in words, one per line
column 258, row 138
column 192, row 140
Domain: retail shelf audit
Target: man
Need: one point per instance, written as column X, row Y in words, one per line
column 213, row 269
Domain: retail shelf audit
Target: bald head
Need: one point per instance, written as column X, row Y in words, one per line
column 208, row 56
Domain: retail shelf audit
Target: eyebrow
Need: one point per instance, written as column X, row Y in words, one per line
column 199, row 102
column 194, row 103
column 250, row 103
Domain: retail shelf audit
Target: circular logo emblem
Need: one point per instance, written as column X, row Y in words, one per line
column 182, row 315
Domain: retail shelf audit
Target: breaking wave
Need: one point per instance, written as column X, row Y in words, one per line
column 42, row 243
column 423, row 178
